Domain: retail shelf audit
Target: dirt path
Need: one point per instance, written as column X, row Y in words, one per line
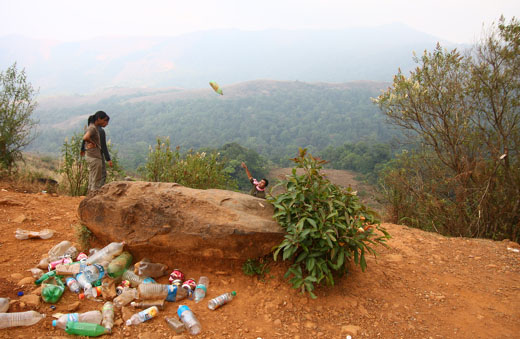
column 422, row 286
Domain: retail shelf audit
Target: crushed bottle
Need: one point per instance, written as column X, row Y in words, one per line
column 43, row 234
column 143, row 316
column 108, row 316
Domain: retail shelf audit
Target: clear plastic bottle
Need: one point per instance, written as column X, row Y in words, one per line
column 128, row 295
column 58, row 250
column 143, row 316
column 93, row 272
column 71, row 252
column 43, row 234
column 134, row 279
column 108, row 316
column 221, row 300
column 119, row 265
column 148, row 303
column 93, row 317
column 91, row 293
column 4, row 304
column 83, row 281
column 159, row 291
column 107, row 253
column 201, row 289
column 188, row 319
column 73, row 285
column 150, row 269
column 20, row 319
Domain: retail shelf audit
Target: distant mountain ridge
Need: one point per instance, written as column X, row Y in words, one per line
column 226, row 56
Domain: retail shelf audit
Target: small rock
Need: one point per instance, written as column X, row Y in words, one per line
column 31, row 299
column 22, row 305
column 440, row 297
column 26, row 281
column 71, row 307
column 277, row 322
column 37, row 291
column 118, row 322
column 309, row 324
column 350, row 329
column 20, row 219
column 362, row 310
column 16, row 276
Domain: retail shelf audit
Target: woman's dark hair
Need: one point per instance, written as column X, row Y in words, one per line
column 98, row 115
column 266, row 181
column 101, row 115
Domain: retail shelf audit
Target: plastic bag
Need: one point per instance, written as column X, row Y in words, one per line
column 52, row 289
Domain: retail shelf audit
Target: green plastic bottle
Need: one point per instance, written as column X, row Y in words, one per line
column 45, row 276
column 87, row 329
column 118, row 266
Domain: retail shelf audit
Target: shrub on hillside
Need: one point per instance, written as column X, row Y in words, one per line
column 196, row 170
column 326, row 226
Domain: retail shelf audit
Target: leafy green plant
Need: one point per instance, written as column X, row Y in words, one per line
column 326, row 226
column 195, row 169
column 255, row 267
column 74, row 167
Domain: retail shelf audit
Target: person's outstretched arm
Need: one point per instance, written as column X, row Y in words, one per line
column 244, row 166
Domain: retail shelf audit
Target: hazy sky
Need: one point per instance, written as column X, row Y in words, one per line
column 453, row 20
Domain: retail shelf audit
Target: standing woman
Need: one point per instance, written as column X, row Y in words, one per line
column 93, row 150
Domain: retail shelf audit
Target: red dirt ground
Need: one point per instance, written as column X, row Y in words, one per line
column 423, row 286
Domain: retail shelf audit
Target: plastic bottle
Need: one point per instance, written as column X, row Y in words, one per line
column 83, row 281
column 118, row 266
column 200, row 290
column 108, row 316
column 93, row 272
column 85, row 329
column 58, row 250
column 20, row 319
column 150, row 269
column 36, row 272
column 221, row 300
column 4, row 304
column 93, row 317
column 148, row 303
column 175, row 324
column 45, row 276
column 128, row 295
column 91, row 293
column 43, row 234
column 107, row 253
column 71, row 252
column 159, row 291
column 188, row 319
column 143, row 316
column 73, row 285
column 134, row 279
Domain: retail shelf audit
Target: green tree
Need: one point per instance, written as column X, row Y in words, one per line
column 17, row 103
column 463, row 113
column 73, row 166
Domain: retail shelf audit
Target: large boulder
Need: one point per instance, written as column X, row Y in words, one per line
column 165, row 221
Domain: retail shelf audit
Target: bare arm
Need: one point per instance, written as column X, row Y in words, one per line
column 244, row 166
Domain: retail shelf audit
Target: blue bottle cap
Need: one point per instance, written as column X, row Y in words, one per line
column 20, row 293
column 181, row 309
column 54, row 323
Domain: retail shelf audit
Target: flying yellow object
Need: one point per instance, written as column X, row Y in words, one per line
column 216, row 87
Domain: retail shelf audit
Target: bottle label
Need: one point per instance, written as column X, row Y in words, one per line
column 74, row 317
column 148, row 314
column 172, row 293
column 202, row 287
column 221, row 300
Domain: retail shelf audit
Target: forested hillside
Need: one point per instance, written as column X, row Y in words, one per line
column 273, row 118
